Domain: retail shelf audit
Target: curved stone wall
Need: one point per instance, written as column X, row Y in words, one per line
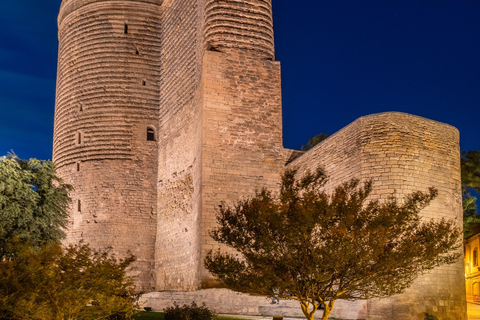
column 239, row 24
column 402, row 153
column 107, row 81
column 107, row 99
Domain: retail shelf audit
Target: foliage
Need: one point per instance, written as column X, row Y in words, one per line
column 316, row 248
column 148, row 315
column 471, row 219
column 313, row 141
column 192, row 312
column 470, row 181
column 33, row 201
column 470, row 162
column 429, row 316
column 160, row 316
column 73, row 283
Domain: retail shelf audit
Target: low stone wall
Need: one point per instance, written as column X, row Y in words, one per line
column 225, row 301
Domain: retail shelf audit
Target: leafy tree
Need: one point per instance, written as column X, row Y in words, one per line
column 313, row 141
column 33, row 201
column 51, row 283
column 470, row 162
column 316, row 248
column 471, row 169
column 471, row 219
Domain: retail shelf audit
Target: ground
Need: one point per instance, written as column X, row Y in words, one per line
column 473, row 311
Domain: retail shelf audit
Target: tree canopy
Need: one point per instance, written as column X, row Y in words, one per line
column 75, row 283
column 313, row 141
column 470, row 162
column 33, row 201
column 471, row 169
column 317, row 248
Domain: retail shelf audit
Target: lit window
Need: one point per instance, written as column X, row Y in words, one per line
column 475, row 257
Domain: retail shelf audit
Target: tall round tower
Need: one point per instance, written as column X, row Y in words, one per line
column 106, row 117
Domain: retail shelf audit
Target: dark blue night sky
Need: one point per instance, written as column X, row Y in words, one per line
column 341, row 59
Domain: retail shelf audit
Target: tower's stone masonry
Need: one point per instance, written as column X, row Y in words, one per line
column 402, row 153
column 164, row 109
column 107, row 98
column 242, row 132
column 177, row 247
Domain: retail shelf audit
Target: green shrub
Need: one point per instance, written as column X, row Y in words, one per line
column 192, row 312
column 75, row 283
column 429, row 316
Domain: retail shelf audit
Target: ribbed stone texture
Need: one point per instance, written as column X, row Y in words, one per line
column 402, row 153
column 164, row 109
column 240, row 24
column 107, row 98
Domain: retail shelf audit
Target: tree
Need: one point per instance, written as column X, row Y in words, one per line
column 316, row 248
column 471, row 169
column 470, row 162
column 33, row 201
column 75, row 283
column 313, row 141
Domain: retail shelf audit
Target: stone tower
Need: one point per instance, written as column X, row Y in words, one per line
column 166, row 108
column 106, row 105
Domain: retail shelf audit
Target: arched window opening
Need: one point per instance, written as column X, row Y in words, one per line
column 150, row 134
column 475, row 257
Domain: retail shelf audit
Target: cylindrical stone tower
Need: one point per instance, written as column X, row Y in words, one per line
column 240, row 24
column 106, row 118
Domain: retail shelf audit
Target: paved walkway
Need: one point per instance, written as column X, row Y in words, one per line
column 259, row 317
column 473, row 313
column 473, row 310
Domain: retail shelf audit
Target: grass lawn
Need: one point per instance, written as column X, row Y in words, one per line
column 159, row 316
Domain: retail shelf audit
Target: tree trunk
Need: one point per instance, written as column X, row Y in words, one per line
column 306, row 311
column 328, row 309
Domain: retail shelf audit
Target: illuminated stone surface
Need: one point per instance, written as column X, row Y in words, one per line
column 202, row 75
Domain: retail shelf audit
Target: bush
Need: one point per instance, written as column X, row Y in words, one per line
column 75, row 283
column 192, row 312
column 429, row 316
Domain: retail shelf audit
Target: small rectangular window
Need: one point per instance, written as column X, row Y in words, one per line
column 78, row 166
column 79, row 206
column 125, row 29
column 79, row 140
column 150, row 134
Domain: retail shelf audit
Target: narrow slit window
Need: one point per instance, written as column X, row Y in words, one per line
column 79, row 138
column 125, row 28
column 475, row 257
column 150, row 134
column 78, row 166
column 144, row 82
column 79, row 204
column 136, row 52
column 81, row 107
